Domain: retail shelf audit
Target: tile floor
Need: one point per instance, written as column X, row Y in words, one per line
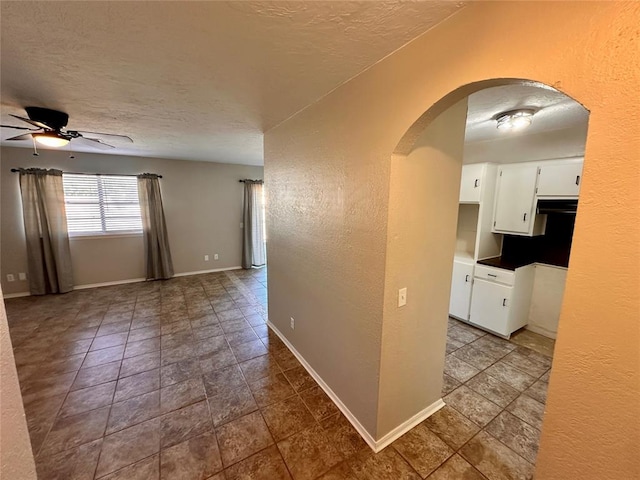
column 182, row 380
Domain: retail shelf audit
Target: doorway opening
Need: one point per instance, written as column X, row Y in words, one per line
column 517, row 204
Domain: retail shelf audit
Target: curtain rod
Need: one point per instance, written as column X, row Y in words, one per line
column 15, row 170
column 248, row 180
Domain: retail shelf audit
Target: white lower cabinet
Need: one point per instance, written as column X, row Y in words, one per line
column 490, row 306
column 501, row 308
column 461, row 282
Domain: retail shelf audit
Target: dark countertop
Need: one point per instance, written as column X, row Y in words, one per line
column 500, row 262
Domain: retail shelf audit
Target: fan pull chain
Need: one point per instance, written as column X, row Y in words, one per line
column 35, row 149
column 70, row 151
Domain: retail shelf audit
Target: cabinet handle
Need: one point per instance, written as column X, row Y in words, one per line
column 504, row 302
column 466, row 278
column 475, row 184
column 492, row 275
column 577, row 179
column 524, row 217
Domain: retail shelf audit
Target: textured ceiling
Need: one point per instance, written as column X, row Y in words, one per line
column 192, row 80
column 553, row 111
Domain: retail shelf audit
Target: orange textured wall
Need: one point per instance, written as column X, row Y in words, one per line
column 590, row 51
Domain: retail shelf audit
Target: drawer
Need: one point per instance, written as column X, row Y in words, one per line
column 499, row 275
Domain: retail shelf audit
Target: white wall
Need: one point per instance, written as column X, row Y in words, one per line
column 202, row 203
column 568, row 142
column 546, row 300
column 467, row 229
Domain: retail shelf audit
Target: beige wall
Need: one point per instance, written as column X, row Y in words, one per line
column 423, row 198
column 329, row 170
column 16, row 456
column 203, row 209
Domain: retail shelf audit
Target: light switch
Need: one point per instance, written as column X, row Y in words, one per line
column 402, row 297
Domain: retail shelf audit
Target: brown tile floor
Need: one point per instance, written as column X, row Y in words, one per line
column 182, row 380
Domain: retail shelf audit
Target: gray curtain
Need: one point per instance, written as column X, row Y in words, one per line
column 154, row 228
column 45, row 226
column 253, row 247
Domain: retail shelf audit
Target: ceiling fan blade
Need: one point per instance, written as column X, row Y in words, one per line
column 25, row 136
column 20, row 128
column 94, row 142
column 32, row 122
column 122, row 137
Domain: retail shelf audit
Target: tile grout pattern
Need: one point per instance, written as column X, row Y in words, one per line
column 182, row 379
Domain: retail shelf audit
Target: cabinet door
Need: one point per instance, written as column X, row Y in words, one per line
column 490, row 306
column 560, row 180
column 461, row 282
column 514, row 204
column 471, row 183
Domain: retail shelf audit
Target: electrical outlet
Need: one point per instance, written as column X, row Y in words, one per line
column 206, row 258
column 293, row 323
column 402, row 297
column 22, row 276
column 215, row 256
column 12, row 278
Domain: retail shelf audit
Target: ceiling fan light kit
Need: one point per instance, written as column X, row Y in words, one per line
column 51, row 130
column 514, row 120
column 51, row 139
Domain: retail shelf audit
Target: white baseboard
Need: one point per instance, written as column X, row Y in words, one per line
column 16, row 295
column 122, row 282
column 541, row 331
column 375, row 445
column 343, row 408
column 404, row 427
column 199, row 272
column 107, row 284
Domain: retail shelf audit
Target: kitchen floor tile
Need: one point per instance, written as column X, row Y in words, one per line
column 495, row 460
column 69, row 432
column 309, row 453
column 134, row 410
column 451, row 426
column 195, row 458
column 185, row 423
column 519, row 436
column 264, row 465
column 473, row 406
column 147, row 469
column 242, row 437
column 129, row 446
column 287, row 417
column 423, row 449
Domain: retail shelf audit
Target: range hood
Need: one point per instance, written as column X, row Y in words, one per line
column 568, row 206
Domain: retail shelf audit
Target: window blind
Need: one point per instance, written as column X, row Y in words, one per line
column 101, row 204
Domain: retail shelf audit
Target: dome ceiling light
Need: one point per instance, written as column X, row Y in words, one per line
column 515, row 120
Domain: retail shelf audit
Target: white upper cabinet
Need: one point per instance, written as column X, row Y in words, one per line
column 561, row 179
column 515, row 202
column 471, row 183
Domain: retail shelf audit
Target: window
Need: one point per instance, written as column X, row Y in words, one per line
column 101, row 204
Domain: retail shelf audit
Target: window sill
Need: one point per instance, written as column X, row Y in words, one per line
column 103, row 236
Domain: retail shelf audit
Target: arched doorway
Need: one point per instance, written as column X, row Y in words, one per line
column 425, row 181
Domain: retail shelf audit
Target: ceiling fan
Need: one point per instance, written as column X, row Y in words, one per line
column 51, row 130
